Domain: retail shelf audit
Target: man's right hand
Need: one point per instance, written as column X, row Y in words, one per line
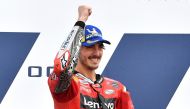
column 84, row 12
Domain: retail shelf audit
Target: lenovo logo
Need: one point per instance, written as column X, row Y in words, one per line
column 95, row 104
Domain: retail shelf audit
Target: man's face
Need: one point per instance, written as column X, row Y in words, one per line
column 90, row 57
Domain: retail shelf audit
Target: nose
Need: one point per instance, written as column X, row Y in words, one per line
column 97, row 50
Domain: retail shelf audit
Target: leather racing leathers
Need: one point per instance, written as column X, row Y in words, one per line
column 72, row 90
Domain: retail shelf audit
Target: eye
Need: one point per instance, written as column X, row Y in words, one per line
column 101, row 45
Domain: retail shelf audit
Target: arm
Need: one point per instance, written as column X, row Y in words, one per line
column 65, row 60
column 125, row 101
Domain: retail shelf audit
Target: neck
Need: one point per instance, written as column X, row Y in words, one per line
column 86, row 72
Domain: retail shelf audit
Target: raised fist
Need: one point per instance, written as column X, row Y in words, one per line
column 84, row 12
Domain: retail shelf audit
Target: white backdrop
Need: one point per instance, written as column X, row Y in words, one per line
column 54, row 20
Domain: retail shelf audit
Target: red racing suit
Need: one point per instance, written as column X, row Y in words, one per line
column 72, row 90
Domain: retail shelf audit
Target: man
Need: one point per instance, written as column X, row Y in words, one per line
column 74, row 83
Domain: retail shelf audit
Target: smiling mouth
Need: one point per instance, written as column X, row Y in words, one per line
column 95, row 60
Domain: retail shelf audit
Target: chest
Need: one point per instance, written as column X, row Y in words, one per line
column 99, row 95
column 105, row 89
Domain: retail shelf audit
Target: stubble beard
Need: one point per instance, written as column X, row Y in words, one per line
column 88, row 64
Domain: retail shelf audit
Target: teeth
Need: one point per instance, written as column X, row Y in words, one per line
column 94, row 59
